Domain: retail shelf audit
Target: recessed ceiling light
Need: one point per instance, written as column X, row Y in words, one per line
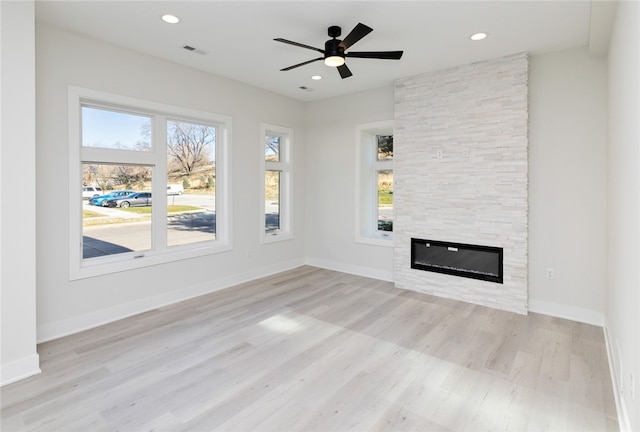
column 478, row 36
column 316, row 77
column 171, row 19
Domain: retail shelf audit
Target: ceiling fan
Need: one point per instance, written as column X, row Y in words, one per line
column 334, row 51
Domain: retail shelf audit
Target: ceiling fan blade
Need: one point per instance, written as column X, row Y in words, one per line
column 356, row 34
column 384, row 55
column 344, row 71
column 298, row 44
column 301, row 64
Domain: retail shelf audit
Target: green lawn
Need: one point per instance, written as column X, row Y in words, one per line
column 385, row 197
column 170, row 209
column 89, row 214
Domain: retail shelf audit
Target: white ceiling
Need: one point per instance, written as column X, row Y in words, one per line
column 237, row 36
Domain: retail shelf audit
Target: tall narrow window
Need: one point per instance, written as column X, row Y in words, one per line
column 153, row 181
column 276, row 159
column 384, row 170
column 374, row 189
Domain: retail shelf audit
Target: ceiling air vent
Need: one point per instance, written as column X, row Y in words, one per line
column 195, row 50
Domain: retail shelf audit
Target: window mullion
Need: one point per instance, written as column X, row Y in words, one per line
column 159, row 208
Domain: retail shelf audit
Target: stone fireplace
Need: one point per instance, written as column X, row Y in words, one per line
column 461, row 175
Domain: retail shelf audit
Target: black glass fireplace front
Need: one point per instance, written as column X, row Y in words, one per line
column 471, row 261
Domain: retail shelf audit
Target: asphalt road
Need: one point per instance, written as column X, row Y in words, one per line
column 134, row 234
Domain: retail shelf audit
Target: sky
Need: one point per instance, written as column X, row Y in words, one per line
column 112, row 129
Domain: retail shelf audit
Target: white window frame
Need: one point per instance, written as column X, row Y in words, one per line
column 367, row 167
column 159, row 253
column 285, row 166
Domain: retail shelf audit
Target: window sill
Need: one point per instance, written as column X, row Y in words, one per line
column 275, row 237
column 376, row 241
column 137, row 260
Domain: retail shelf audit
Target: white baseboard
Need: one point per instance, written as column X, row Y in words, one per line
column 19, row 369
column 369, row 272
column 573, row 313
column 624, row 423
column 97, row 318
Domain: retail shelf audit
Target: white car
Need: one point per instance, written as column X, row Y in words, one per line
column 175, row 189
column 90, row 191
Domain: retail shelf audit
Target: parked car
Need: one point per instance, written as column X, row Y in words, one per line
column 101, row 200
column 175, row 189
column 132, row 200
column 90, row 191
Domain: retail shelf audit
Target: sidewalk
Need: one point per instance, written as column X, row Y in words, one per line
column 109, row 215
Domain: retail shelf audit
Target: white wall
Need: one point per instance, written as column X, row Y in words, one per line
column 623, row 281
column 65, row 59
column 18, row 357
column 330, row 183
column 568, row 178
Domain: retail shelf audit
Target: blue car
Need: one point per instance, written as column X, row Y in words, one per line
column 101, row 200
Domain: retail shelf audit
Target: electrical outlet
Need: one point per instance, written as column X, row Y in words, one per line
column 550, row 273
column 439, row 153
column 465, row 152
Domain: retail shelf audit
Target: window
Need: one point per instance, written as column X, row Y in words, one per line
column 151, row 183
column 276, row 156
column 374, row 189
column 191, row 166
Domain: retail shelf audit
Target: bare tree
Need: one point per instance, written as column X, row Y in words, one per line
column 190, row 144
column 130, row 174
column 385, row 146
column 272, row 147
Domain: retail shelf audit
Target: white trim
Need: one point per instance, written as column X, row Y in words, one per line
column 19, row 369
column 624, row 423
column 572, row 313
column 368, row 272
column 87, row 321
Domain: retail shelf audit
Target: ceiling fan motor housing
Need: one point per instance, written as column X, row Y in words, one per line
column 332, row 48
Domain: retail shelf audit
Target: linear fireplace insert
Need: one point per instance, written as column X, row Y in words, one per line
column 459, row 259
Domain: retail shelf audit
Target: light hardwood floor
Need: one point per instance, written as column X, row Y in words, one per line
column 317, row 350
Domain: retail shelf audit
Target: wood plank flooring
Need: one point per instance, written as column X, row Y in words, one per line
column 317, row 350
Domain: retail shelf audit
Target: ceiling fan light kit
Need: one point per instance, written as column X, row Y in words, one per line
column 335, row 61
column 334, row 52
